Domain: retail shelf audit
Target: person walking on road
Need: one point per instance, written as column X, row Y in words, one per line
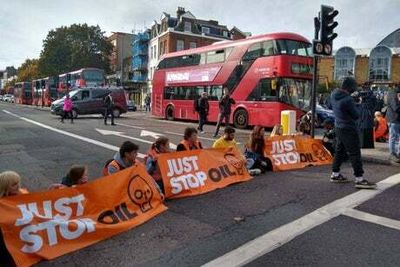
column 108, row 105
column 147, row 103
column 67, row 109
column 347, row 138
column 224, row 110
column 393, row 118
column 203, row 107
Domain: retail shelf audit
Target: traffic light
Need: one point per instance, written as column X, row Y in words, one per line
column 327, row 16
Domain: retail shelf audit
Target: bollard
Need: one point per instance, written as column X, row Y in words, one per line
column 288, row 122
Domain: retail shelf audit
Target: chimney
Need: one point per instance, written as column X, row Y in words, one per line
column 180, row 12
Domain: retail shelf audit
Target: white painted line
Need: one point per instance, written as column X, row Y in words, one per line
column 368, row 217
column 82, row 138
column 282, row 235
column 130, row 126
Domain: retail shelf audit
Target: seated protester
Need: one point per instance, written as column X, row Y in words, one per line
column 329, row 138
column 254, row 151
column 161, row 145
column 277, row 130
column 227, row 140
column 381, row 129
column 305, row 124
column 9, row 186
column 125, row 158
column 190, row 140
column 76, row 175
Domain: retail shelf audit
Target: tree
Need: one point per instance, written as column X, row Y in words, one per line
column 74, row 47
column 29, row 70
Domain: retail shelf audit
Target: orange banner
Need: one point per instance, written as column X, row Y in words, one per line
column 190, row 173
column 295, row 152
column 45, row 225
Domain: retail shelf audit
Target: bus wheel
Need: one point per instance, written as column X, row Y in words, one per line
column 116, row 113
column 169, row 113
column 241, row 119
column 74, row 114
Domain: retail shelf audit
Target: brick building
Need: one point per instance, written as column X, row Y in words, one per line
column 378, row 66
column 182, row 32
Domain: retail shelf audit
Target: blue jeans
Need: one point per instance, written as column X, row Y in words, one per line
column 394, row 136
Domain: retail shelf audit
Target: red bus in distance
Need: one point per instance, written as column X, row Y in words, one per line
column 44, row 91
column 23, row 93
column 265, row 74
column 85, row 77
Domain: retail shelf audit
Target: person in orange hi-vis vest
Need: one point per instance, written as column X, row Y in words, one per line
column 161, row 145
column 381, row 129
column 190, row 140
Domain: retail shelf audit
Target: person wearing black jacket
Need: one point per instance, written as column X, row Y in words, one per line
column 203, row 108
column 393, row 119
column 108, row 108
column 225, row 110
column 347, row 138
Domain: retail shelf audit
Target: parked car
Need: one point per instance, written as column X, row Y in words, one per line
column 131, row 105
column 323, row 114
column 91, row 101
column 1, row 97
column 8, row 98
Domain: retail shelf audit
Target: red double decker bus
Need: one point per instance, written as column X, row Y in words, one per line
column 85, row 77
column 23, row 93
column 265, row 74
column 44, row 91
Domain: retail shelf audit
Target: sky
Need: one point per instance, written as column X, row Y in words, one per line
column 24, row 24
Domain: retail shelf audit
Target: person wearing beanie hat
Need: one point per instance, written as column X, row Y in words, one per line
column 347, row 138
column 393, row 118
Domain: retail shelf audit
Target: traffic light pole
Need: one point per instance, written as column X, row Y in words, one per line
column 314, row 94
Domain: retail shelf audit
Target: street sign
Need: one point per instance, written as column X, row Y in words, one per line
column 321, row 49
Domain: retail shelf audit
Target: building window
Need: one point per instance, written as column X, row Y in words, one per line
column 151, row 52
column 188, row 26
column 114, row 42
column 380, row 64
column 205, row 30
column 225, row 34
column 155, row 51
column 180, row 45
column 344, row 62
column 193, row 45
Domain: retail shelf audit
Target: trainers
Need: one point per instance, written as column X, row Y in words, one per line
column 339, row 179
column 254, row 172
column 215, row 135
column 202, row 132
column 394, row 159
column 364, row 184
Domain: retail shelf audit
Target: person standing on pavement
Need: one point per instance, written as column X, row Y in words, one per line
column 393, row 118
column 147, row 103
column 347, row 138
column 203, row 108
column 108, row 106
column 224, row 110
column 67, row 109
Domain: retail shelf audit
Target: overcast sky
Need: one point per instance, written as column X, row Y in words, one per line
column 24, row 23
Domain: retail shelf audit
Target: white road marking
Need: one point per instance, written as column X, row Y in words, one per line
column 149, row 133
column 282, row 235
column 368, row 217
column 82, row 138
column 130, row 126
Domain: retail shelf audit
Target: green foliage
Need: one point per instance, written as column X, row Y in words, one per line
column 29, row 70
column 74, row 47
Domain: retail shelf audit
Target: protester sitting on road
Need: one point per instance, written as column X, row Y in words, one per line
column 227, row 140
column 329, row 138
column 381, row 129
column 125, row 158
column 76, row 175
column 10, row 184
column 277, row 130
column 190, row 140
column 161, row 145
column 254, row 151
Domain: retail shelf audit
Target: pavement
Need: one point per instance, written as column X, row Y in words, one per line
column 198, row 230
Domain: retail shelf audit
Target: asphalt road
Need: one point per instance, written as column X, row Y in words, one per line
column 199, row 229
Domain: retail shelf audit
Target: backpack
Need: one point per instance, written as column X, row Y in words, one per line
column 196, row 104
column 105, row 167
